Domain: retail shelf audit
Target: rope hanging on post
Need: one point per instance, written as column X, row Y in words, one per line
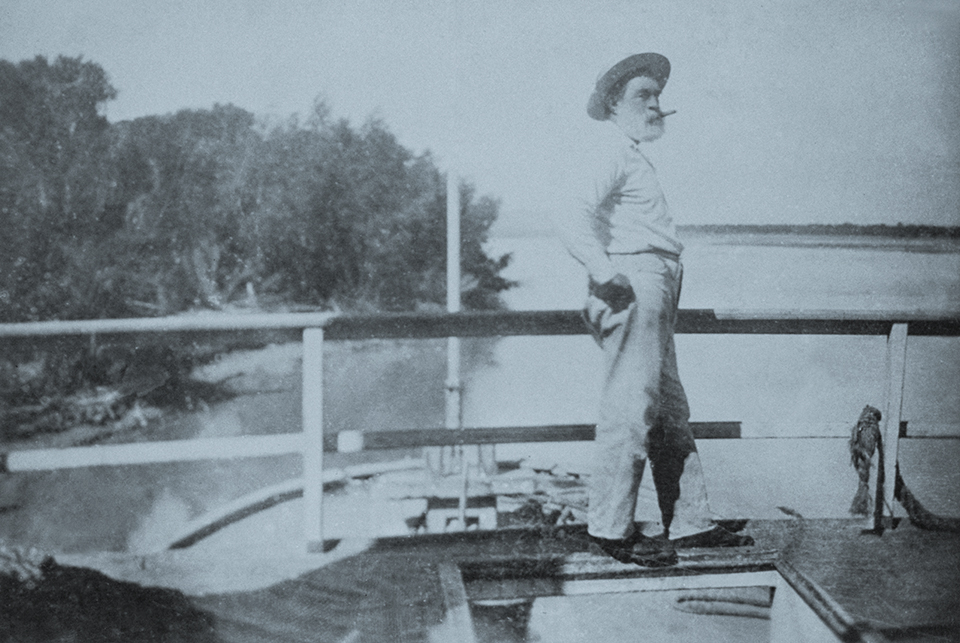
column 919, row 515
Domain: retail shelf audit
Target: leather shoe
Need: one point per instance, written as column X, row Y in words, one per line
column 639, row 550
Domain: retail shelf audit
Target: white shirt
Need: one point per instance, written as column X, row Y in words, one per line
column 627, row 214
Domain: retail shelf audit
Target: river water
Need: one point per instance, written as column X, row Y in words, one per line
column 776, row 386
column 756, row 379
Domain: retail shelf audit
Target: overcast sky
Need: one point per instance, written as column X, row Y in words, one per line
column 797, row 111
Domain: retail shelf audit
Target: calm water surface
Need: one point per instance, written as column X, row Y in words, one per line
column 775, row 385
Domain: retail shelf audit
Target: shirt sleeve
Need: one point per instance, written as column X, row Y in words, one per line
column 585, row 228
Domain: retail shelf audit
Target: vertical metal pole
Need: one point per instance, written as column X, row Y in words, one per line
column 451, row 457
column 454, row 415
column 312, row 409
column 453, row 242
column 442, row 460
column 453, row 401
column 896, row 377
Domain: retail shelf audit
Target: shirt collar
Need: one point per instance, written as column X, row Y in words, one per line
column 634, row 146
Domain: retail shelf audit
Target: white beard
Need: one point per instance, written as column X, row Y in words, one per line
column 641, row 131
column 652, row 130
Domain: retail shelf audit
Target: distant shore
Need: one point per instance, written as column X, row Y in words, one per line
column 899, row 231
column 907, row 238
column 943, row 238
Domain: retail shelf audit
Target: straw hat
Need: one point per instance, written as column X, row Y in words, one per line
column 649, row 64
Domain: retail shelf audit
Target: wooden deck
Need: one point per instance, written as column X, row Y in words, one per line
column 903, row 585
column 900, row 586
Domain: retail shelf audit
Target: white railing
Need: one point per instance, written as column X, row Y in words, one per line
column 315, row 328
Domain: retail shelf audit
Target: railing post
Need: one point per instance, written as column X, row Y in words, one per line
column 896, row 375
column 312, row 409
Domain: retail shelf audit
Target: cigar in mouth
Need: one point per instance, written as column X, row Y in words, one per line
column 664, row 114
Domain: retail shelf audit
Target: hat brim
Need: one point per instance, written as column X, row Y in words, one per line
column 649, row 64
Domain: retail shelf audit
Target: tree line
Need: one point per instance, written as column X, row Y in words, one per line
column 210, row 207
column 898, row 231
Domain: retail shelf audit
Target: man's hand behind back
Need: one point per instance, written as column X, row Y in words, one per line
column 616, row 293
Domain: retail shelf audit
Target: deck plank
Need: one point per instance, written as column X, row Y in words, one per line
column 456, row 602
column 905, row 582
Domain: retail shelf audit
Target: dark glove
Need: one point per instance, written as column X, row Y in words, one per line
column 616, row 293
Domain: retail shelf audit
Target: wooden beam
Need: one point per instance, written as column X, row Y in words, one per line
column 410, row 438
column 250, row 446
column 173, row 324
column 837, row 619
column 585, row 565
column 585, row 573
column 459, row 619
column 498, row 323
column 538, row 587
column 893, row 413
column 255, row 446
column 570, row 322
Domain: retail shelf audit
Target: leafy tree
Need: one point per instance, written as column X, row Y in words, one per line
column 364, row 224
column 484, row 283
column 54, row 179
column 166, row 213
column 182, row 183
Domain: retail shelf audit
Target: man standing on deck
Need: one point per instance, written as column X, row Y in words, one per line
column 627, row 241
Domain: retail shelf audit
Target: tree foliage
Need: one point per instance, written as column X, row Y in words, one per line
column 201, row 208
column 54, row 173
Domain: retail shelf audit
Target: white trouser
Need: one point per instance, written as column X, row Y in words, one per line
column 644, row 412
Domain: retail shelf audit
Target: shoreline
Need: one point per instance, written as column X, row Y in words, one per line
column 847, row 241
column 756, row 236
